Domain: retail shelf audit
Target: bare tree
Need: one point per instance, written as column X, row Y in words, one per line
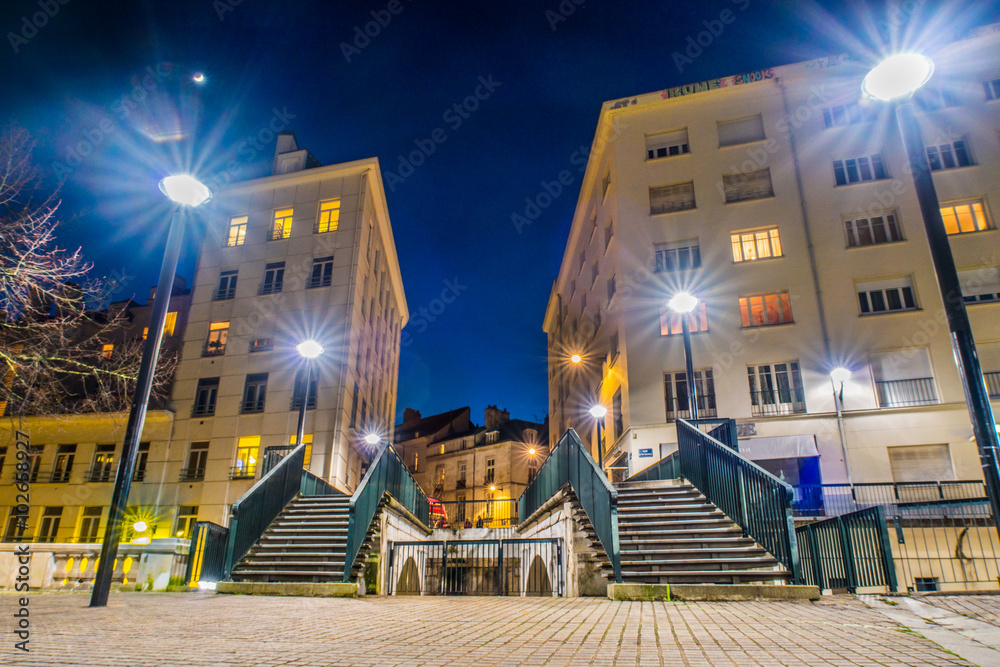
column 62, row 350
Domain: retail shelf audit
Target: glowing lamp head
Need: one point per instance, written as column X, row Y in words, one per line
column 185, row 189
column 576, row 358
column 309, row 349
column 897, row 76
column 493, row 487
column 140, row 526
column 683, row 302
column 840, row 375
column 531, row 451
column 598, row 411
column 372, row 439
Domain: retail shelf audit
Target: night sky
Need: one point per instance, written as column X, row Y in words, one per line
column 106, row 90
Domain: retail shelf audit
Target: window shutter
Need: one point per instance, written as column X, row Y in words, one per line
column 750, row 185
column 670, row 198
column 742, row 131
column 901, row 365
column 980, row 281
column 665, row 144
column 921, row 463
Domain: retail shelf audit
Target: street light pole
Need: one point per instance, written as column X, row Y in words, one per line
column 308, row 350
column 683, row 304
column 841, row 375
column 598, row 412
column 897, row 78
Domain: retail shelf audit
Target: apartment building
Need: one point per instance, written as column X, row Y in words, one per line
column 782, row 199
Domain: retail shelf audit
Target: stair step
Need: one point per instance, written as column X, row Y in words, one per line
column 706, row 576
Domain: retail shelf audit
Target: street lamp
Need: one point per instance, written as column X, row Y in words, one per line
column 308, row 350
column 373, row 439
column 895, row 80
column 682, row 304
column 598, row 412
column 838, row 376
column 576, row 358
column 185, row 191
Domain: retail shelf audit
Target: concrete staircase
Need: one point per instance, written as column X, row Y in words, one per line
column 306, row 543
column 669, row 533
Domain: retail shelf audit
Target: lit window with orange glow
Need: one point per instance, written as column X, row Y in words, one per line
column 282, row 225
column 329, row 216
column 307, row 438
column 107, row 349
column 237, row 231
column 169, row 322
column 965, row 218
column 671, row 325
column 765, row 309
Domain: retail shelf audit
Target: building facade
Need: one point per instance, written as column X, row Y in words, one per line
column 782, row 199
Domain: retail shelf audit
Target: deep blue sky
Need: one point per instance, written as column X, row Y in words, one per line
column 452, row 217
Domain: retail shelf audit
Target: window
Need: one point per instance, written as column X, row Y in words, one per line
column 921, row 463
column 354, row 406
column 903, row 377
column 300, row 389
column 965, row 218
column 307, row 438
column 609, row 233
column 3, row 458
column 741, row 131
column 104, row 460
column 612, row 288
column 840, row 115
column 281, row 228
column 616, row 406
column 930, row 98
column 237, row 231
column 329, row 216
column 858, row 169
column 950, row 155
column 227, row 286
column 187, row 515
column 490, row 470
column 169, row 322
column 678, row 400
column 322, row 272
column 204, row 397
column 139, row 474
column 776, row 389
column 34, row 461
column 677, row 256
column 672, row 325
column 884, row 296
column 261, row 345
column 197, row 459
column 992, row 88
column 667, row 144
column 253, row 393
column 218, row 333
column 460, row 481
column 246, row 457
column 63, row 466
column 745, row 186
column 90, row 524
column 763, row 310
column 981, row 284
column 274, row 276
column 107, row 350
column 17, row 524
column 671, row 198
column 877, row 229
column 754, row 245
column 51, row 516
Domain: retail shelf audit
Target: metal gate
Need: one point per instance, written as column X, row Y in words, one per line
column 526, row 567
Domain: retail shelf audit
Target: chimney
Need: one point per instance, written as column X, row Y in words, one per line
column 410, row 415
column 495, row 417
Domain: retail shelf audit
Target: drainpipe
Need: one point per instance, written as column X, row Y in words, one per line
column 838, row 399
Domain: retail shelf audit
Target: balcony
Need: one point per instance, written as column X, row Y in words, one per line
column 270, row 288
column 900, row 393
column 60, row 476
column 225, row 293
column 214, row 349
column 101, row 474
column 777, row 402
column 241, row 472
column 318, row 281
column 251, row 407
column 680, row 408
column 993, row 383
column 192, row 475
column 203, row 410
column 139, row 475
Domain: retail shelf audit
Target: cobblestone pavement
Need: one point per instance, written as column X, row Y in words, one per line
column 984, row 608
column 190, row 629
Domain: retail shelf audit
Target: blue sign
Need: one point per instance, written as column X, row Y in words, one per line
column 646, row 453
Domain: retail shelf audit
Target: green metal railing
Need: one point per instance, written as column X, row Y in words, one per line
column 316, row 486
column 206, row 559
column 387, row 475
column 254, row 512
column 666, row 468
column 849, row 551
column 570, row 463
column 749, row 495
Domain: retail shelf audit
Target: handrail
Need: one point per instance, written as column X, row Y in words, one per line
column 313, row 485
column 852, row 549
column 207, row 553
column 666, row 468
column 569, row 462
column 387, row 475
column 752, row 497
column 253, row 513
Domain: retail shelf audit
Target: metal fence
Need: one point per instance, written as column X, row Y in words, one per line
column 847, row 552
column 207, row 558
column 476, row 514
column 818, row 500
column 527, row 567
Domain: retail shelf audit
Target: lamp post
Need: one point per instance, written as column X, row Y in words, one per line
column 308, row 350
column 598, row 412
column 186, row 191
column 682, row 304
column 838, row 376
column 896, row 79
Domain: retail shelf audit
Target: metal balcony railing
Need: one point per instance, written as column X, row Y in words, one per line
column 60, row 476
column 777, row 402
column 243, row 472
column 896, row 393
column 680, row 407
column 214, row 349
column 203, row 410
column 101, row 474
column 192, row 474
column 993, row 383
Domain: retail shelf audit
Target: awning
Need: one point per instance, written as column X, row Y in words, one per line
column 779, row 447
